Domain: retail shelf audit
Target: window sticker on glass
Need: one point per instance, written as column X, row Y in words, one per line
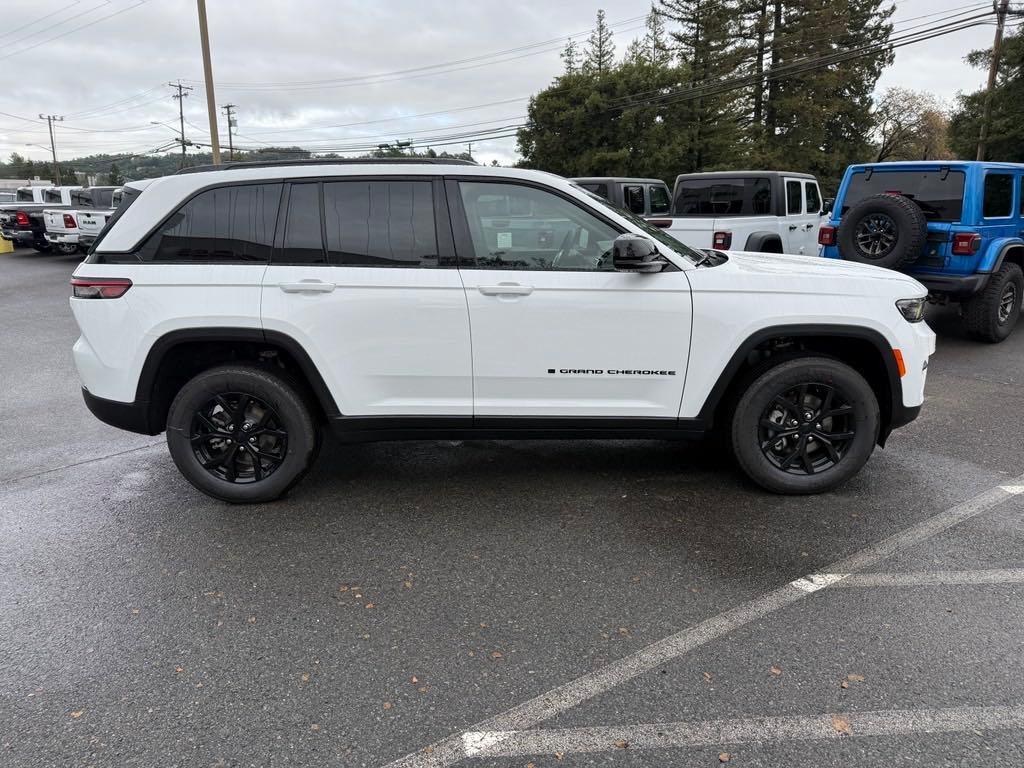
column 584, row 238
column 504, row 239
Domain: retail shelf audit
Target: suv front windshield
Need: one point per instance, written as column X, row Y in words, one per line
column 655, row 233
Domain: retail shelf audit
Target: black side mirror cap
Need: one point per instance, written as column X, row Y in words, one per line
column 636, row 253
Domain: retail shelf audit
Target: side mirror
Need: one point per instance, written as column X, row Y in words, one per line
column 636, row 253
column 826, row 206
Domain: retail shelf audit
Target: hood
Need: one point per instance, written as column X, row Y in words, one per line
column 818, row 274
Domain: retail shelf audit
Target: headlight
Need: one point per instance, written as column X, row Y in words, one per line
column 911, row 309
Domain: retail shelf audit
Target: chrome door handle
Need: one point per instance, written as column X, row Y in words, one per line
column 505, row 289
column 307, row 286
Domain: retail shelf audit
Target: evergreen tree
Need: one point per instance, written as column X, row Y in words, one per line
column 599, row 56
column 570, row 56
column 1006, row 130
column 114, row 175
column 655, row 42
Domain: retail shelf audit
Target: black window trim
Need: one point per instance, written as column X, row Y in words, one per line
column 989, row 172
column 460, row 223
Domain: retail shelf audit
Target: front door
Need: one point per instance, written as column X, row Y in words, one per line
column 363, row 277
column 556, row 330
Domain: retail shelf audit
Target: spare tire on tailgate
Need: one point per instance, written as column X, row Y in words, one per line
column 884, row 230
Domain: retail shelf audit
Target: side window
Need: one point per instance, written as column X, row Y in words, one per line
column 303, row 241
column 633, row 195
column 517, row 227
column 998, row 199
column 794, row 201
column 813, row 197
column 597, row 189
column 380, row 223
column 227, row 224
column 660, row 202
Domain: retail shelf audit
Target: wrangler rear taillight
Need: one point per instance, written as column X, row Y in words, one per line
column 721, row 240
column 827, row 235
column 69, row 221
column 100, row 287
column 966, row 243
column 21, row 218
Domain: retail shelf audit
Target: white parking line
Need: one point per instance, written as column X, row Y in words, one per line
column 934, row 578
column 721, row 733
column 452, row 749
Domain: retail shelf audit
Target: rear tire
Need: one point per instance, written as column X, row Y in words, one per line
column 884, row 230
column 241, row 434
column 992, row 314
column 41, row 248
column 804, row 426
column 66, row 249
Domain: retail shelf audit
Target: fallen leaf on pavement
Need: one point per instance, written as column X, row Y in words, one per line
column 370, row 605
column 844, row 684
column 724, row 757
column 496, row 654
column 776, row 670
column 343, row 588
column 314, row 727
column 559, row 755
column 842, row 725
column 78, row 713
column 621, row 743
column 414, row 679
column 407, row 584
column 387, row 705
column 855, row 678
column 179, row 670
column 708, row 676
column 305, row 677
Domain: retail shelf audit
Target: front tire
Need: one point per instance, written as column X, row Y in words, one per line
column 805, row 426
column 241, row 434
column 992, row 314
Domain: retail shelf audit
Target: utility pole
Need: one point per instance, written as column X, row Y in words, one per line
column 993, row 69
column 180, row 96
column 231, row 124
column 470, row 145
column 53, row 144
column 211, row 103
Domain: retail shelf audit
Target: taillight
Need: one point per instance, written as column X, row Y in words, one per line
column 827, row 235
column 21, row 218
column 721, row 240
column 966, row 243
column 100, row 287
column 69, row 221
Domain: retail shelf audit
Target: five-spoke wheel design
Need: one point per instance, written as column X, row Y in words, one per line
column 807, row 428
column 238, row 437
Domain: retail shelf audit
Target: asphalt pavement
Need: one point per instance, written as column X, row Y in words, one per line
column 505, row 604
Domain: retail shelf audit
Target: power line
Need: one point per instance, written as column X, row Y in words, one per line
column 73, row 30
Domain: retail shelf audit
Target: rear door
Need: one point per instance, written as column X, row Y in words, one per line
column 364, row 278
column 556, row 330
column 800, row 227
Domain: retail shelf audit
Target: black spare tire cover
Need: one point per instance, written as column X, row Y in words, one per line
column 884, row 230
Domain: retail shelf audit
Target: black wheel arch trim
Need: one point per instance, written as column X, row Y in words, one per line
column 756, row 240
column 895, row 415
column 163, row 345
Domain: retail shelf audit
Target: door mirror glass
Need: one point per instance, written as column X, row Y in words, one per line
column 636, row 253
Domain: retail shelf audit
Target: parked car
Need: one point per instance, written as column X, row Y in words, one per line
column 91, row 221
column 242, row 309
column 8, row 196
column 956, row 227
column 758, row 211
column 63, row 227
column 644, row 197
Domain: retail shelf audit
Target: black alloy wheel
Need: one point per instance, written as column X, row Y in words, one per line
column 876, row 235
column 807, row 429
column 238, row 438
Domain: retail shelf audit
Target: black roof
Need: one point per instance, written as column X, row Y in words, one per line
column 744, row 175
column 329, row 161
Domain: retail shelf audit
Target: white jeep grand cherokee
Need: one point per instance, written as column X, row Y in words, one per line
column 244, row 309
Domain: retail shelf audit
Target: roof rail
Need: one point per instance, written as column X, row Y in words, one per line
column 329, row 161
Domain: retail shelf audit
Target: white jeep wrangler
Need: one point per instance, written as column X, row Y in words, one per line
column 244, row 309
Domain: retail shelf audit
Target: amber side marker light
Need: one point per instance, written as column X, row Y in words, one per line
column 900, row 365
column 99, row 287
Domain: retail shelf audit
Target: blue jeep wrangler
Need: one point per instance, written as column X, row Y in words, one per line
column 957, row 227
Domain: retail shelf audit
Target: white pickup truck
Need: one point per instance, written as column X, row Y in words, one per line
column 761, row 211
column 66, row 228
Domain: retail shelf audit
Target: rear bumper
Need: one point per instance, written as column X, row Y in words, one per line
column 133, row 417
column 20, row 236
column 65, row 239
column 952, row 285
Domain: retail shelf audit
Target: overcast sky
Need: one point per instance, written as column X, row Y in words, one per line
column 105, row 65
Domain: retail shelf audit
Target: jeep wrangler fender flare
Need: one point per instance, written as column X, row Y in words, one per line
column 757, row 242
column 894, row 413
column 163, row 345
column 993, row 259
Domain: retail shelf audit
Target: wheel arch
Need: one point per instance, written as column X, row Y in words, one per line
column 865, row 349
column 757, row 241
column 178, row 355
column 1011, row 250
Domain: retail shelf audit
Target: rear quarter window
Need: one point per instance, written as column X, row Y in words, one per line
column 997, row 202
column 938, row 192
